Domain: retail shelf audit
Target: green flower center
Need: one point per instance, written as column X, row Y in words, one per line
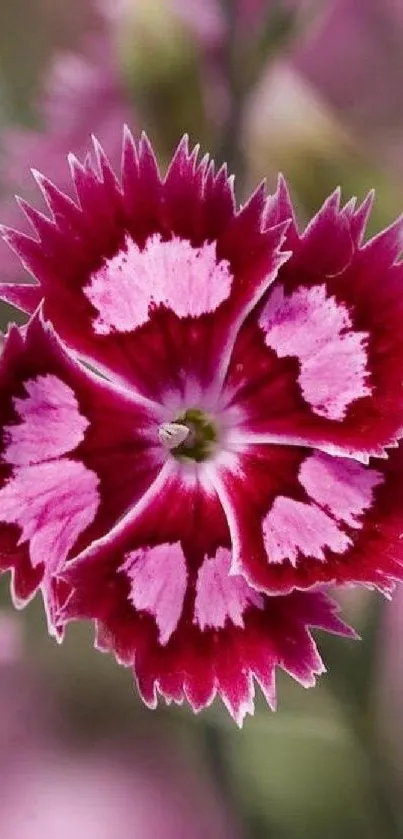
column 192, row 436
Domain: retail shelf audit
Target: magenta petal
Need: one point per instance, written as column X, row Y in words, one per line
column 358, row 218
column 327, row 244
column 28, row 250
column 61, row 206
column 66, row 476
column 183, row 189
column 176, row 508
column 279, row 208
column 219, row 198
column 299, row 518
column 220, row 595
column 158, row 583
column 24, row 297
column 25, row 579
column 52, row 503
column 81, row 254
column 197, row 665
column 323, row 365
column 141, row 187
column 166, row 602
column 313, row 327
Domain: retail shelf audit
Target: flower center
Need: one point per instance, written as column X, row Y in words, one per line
column 192, row 436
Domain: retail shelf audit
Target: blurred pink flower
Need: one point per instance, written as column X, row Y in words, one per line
column 249, row 29
column 106, row 794
column 146, row 787
column 207, row 20
column 84, row 94
column 204, row 20
column 355, row 59
column 10, row 638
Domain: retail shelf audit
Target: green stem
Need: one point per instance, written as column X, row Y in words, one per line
column 248, row 825
column 379, row 780
column 353, row 686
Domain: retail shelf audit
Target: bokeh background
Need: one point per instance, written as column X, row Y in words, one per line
column 314, row 88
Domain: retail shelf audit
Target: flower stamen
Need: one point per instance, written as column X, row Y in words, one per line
column 173, row 434
column 192, row 436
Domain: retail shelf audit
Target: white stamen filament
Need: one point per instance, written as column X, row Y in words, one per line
column 172, row 434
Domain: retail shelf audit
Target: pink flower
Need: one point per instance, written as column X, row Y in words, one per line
column 354, row 59
column 207, row 21
column 55, row 790
column 84, row 94
column 142, row 784
column 239, row 440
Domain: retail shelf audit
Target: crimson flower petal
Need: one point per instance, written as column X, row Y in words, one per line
column 173, row 612
column 66, row 475
column 300, row 517
column 154, row 272
column 322, row 363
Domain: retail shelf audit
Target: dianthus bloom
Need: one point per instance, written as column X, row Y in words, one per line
column 200, row 422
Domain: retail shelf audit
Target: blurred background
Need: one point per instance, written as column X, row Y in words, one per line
column 314, row 88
